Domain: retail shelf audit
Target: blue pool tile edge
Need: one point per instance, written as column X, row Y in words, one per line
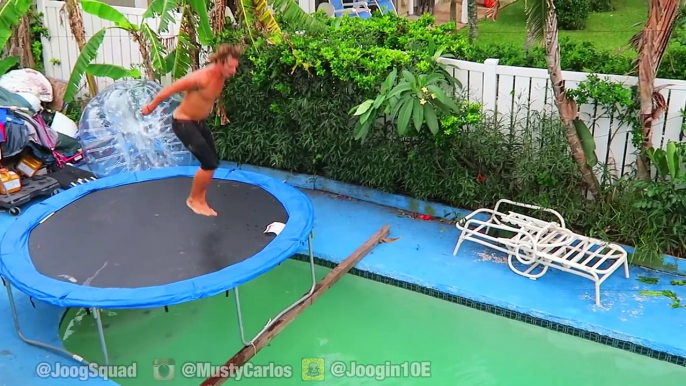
column 396, row 201
column 644, row 346
column 592, row 332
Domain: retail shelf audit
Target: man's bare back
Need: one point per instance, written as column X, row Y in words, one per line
column 201, row 89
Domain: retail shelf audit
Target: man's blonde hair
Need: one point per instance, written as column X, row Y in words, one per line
column 224, row 52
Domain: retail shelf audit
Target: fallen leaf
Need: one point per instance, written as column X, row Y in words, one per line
column 389, row 239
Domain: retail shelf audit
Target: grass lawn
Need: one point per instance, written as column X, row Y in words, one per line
column 607, row 31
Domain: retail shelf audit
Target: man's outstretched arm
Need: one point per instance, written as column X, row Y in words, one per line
column 187, row 83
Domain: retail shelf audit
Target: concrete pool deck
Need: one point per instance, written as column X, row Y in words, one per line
column 423, row 256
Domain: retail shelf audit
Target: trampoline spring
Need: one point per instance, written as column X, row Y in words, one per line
column 32, row 303
column 166, row 309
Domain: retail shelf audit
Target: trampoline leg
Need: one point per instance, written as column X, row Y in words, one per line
column 271, row 321
column 240, row 317
column 101, row 332
column 32, row 342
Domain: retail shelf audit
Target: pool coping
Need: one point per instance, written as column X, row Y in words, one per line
column 450, row 213
column 678, row 265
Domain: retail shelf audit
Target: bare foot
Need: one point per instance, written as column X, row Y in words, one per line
column 200, row 208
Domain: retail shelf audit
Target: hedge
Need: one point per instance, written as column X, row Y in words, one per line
column 285, row 116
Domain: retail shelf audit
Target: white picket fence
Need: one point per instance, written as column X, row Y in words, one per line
column 60, row 50
column 503, row 89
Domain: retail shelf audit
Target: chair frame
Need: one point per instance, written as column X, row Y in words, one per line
column 542, row 244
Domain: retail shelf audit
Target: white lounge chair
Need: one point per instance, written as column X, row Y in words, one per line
column 337, row 8
column 537, row 243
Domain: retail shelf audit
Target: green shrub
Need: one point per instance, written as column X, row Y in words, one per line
column 289, row 109
column 602, row 6
column 307, row 130
column 298, row 121
column 572, row 14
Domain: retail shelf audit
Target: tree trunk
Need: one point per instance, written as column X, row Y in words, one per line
column 652, row 44
column 473, row 18
column 19, row 43
column 219, row 19
column 188, row 26
column 76, row 26
column 529, row 40
column 565, row 105
column 145, row 54
column 219, row 16
column 453, row 11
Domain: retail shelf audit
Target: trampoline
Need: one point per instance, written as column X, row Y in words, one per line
column 130, row 241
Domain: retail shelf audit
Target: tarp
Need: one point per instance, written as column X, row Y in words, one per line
column 9, row 99
column 29, row 81
column 66, row 146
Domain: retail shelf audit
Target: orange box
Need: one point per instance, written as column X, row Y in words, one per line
column 10, row 181
column 28, row 165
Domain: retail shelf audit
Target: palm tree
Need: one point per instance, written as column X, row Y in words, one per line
column 19, row 43
column 12, row 14
column 149, row 44
column 195, row 33
column 473, row 19
column 218, row 16
column 76, row 26
column 651, row 44
column 542, row 23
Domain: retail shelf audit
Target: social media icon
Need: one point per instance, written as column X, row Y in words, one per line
column 163, row 369
column 313, row 369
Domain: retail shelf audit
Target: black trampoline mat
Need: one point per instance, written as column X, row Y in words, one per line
column 143, row 234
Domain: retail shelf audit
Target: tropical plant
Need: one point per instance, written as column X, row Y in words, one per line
column 258, row 16
column 185, row 56
column 218, row 16
column 651, row 44
column 668, row 162
column 11, row 14
column 20, row 42
column 412, row 97
column 156, row 60
column 663, row 201
column 76, row 26
column 542, row 23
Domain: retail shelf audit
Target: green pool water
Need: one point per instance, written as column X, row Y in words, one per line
column 362, row 321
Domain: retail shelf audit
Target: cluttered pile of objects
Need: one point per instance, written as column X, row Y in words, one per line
column 37, row 141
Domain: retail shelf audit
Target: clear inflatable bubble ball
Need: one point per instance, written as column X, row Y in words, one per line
column 117, row 138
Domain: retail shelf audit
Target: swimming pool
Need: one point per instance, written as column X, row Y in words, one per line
column 364, row 321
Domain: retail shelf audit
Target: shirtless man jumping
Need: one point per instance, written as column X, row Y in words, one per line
column 202, row 88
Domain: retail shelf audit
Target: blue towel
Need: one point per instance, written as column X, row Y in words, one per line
column 8, row 116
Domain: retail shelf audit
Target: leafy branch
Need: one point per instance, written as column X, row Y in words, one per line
column 11, row 12
column 410, row 98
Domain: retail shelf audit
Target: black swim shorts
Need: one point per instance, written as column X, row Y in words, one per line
column 197, row 138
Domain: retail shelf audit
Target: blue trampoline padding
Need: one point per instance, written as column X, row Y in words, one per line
column 17, row 267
